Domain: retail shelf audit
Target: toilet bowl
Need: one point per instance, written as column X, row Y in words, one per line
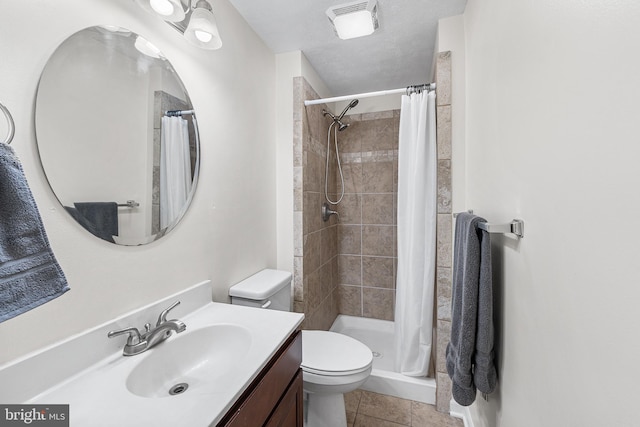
column 332, row 363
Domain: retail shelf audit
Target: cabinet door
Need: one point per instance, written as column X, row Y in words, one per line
column 257, row 405
column 289, row 411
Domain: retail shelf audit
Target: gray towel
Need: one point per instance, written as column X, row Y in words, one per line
column 103, row 216
column 29, row 272
column 80, row 219
column 470, row 359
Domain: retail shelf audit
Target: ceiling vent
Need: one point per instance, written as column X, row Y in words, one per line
column 354, row 19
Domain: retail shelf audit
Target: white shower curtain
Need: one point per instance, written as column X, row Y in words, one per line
column 417, row 187
column 175, row 169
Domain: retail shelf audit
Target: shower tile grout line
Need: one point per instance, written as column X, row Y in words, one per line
column 370, row 256
column 361, row 264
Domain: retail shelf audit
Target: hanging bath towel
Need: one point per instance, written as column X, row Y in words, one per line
column 29, row 273
column 470, row 357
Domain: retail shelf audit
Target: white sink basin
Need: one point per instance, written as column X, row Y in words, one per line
column 194, row 361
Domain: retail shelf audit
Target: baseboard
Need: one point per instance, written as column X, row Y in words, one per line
column 458, row 411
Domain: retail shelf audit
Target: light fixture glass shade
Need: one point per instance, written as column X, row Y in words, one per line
column 202, row 30
column 352, row 25
column 163, row 7
column 354, row 19
column 169, row 10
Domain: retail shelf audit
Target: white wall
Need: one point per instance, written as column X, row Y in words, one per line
column 552, row 137
column 373, row 104
column 287, row 67
column 229, row 232
column 316, row 82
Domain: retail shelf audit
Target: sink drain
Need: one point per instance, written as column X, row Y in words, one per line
column 178, row 389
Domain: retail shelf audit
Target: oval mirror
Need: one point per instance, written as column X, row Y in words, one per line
column 117, row 135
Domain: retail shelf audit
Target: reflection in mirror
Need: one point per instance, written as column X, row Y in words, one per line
column 117, row 135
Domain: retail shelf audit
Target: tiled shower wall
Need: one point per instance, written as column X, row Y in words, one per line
column 367, row 230
column 316, row 241
column 444, row 255
column 349, row 266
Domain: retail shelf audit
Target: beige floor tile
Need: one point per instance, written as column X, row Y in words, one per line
column 384, row 407
column 352, row 400
column 351, row 418
column 366, row 421
column 367, row 409
column 424, row 415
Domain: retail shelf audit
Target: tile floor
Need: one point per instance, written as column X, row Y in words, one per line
column 367, row 409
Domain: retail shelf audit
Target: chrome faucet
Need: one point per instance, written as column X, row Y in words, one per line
column 139, row 343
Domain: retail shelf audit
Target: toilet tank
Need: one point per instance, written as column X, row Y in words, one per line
column 266, row 289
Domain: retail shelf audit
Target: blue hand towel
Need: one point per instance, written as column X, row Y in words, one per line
column 470, row 358
column 29, row 273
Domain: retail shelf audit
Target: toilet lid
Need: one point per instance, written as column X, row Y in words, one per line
column 330, row 353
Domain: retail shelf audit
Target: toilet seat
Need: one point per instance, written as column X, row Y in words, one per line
column 327, row 353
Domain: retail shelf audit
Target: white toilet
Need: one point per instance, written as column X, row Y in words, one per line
column 332, row 363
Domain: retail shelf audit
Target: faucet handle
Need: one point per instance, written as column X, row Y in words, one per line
column 163, row 316
column 134, row 335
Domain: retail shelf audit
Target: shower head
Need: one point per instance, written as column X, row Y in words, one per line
column 338, row 120
column 351, row 105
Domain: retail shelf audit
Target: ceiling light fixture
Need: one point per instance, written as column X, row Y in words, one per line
column 202, row 30
column 169, row 10
column 354, row 19
column 196, row 21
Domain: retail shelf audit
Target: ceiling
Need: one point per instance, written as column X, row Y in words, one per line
column 398, row 54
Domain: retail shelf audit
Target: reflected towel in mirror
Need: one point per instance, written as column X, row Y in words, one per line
column 103, row 217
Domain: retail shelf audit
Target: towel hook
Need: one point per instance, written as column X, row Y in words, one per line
column 10, row 123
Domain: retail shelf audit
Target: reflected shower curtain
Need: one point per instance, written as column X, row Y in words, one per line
column 417, row 180
column 175, row 169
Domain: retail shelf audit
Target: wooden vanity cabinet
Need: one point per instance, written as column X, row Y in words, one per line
column 274, row 398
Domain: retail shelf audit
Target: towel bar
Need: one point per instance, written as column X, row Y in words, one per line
column 10, row 124
column 129, row 204
column 516, row 226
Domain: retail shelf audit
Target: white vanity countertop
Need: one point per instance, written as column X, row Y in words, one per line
column 98, row 395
